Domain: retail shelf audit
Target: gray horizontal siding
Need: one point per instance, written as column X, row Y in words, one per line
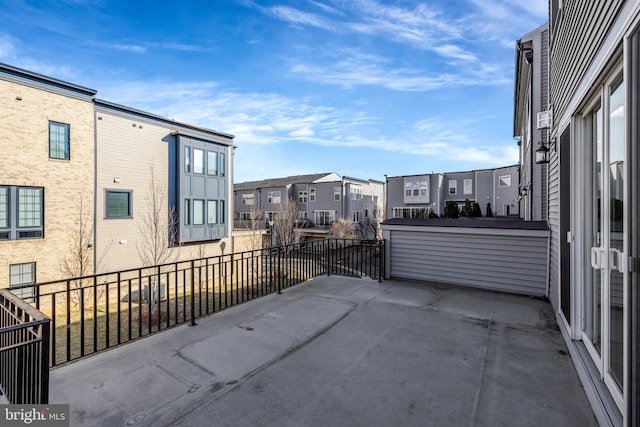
column 575, row 41
column 492, row 259
column 554, row 226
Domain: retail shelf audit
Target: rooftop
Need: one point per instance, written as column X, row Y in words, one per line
column 340, row 351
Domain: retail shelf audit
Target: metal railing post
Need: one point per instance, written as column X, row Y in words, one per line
column 328, row 255
column 193, row 303
column 381, row 260
column 45, row 331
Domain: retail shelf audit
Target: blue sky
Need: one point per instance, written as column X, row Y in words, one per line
column 363, row 88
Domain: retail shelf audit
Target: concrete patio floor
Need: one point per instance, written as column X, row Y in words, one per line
column 339, row 351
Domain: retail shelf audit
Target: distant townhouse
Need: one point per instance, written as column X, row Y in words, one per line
column 418, row 196
column 83, row 178
column 531, row 98
column 320, row 199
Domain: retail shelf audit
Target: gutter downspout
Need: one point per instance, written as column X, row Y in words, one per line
column 95, row 189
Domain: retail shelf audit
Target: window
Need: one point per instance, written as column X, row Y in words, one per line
column 274, row 197
column 245, row 216
column 312, row 194
column 118, row 204
column 23, row 274
column 453, row 186
column 29, row 207
column 212, row 163
column 247, row 199
column 356, row 193
column 201, row 189
column 355, row 216
column 21, row 213
column 58, row 141
column 198, row 212
column 336, row 193
column 187, row 212
column 187, row 159
column 467, row 186
column 198, row 161
column 4, row 213
column 212, row 211
column 324, row 218
column 303, row 215
column 302, row 197
column 504, row 181
column 416, row 191
column 411, row 212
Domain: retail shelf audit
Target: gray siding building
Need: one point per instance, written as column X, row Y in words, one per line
column 531, row 94
column 577, row 86
column 418, row 196
column 320, row 199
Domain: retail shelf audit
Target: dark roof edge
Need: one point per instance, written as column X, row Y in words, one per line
column 61, row 84
column 452, row 172
column 493, row 222
column 136, row 112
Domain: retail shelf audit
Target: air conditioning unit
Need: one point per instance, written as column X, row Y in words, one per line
column 545, row 119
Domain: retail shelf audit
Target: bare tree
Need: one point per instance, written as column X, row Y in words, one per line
column 342, row 229
column 79, row 262
column 284, row 222
column 256, row 226
column 368, row 229
column 158, row 230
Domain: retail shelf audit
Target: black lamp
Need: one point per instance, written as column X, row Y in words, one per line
column 542, row 154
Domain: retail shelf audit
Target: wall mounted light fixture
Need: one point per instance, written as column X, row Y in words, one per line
column 543, row 153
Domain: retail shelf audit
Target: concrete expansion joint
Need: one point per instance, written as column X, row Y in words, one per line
column 476, row 401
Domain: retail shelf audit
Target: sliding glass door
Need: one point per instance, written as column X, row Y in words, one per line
column 603, row 295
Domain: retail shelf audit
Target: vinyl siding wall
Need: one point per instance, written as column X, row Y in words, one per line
column 127, row 149
column 503, row 260
column 578, row 34
column 554, row 227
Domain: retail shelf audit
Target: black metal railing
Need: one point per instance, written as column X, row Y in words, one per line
column 93, row 313
column 24, row 351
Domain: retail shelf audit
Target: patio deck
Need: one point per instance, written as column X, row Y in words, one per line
column 340, row 351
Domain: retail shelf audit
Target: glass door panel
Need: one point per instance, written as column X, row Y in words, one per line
column 617, row 149
column 605, row 197
column 593, row 276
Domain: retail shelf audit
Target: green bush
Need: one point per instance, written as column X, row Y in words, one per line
column 451, row 210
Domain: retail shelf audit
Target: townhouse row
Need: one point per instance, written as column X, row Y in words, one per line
column 320, row 199
column 418, row 196
column 88, row 185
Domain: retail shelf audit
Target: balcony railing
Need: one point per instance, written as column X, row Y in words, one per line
column 249, row 225
column 24, row 351
column 94, row 313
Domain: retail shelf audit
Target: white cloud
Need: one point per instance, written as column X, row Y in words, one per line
column 350, row 68
column 267, row 118
column 7, row 48
column 296, row 16
column 129, row 47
